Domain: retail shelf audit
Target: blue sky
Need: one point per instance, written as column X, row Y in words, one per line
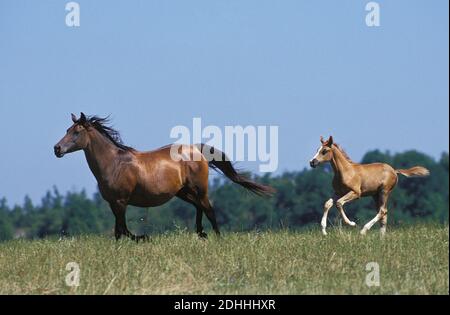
column 311, row 67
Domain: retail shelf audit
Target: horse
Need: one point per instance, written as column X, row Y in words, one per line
column 352, row 181
column 126, row 176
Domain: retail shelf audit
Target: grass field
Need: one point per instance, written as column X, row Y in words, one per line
column 412, row 260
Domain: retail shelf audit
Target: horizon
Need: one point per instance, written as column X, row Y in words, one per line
column 212, row 174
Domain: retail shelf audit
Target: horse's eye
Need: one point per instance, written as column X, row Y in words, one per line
column 324, row 152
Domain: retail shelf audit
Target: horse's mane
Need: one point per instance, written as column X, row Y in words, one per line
column 344, row 154
column 101, row 125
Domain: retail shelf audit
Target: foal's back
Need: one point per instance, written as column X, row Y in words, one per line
column 375, row 177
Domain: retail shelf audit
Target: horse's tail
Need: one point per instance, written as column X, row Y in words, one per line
column 416, row 171
column 218, row 161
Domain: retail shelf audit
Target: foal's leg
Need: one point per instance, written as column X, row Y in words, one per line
column 384, row 213
column 383, row 222
column 342, row 201
column 381, row 215
column 326, row 208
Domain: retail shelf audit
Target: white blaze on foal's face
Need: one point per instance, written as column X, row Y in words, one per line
column 323, row 154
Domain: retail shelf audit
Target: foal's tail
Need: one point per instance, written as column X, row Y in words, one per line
column 218, row 161
column 416, row 171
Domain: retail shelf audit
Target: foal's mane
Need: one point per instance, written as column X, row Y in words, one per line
column 344, row 154
column 101, row 125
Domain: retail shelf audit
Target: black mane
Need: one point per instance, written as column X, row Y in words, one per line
column 101, row 125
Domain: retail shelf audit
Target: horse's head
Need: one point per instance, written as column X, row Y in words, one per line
column 324, row 153
column 75, row 139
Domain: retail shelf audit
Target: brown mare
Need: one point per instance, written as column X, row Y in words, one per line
column 352, row 181
column 126, row 176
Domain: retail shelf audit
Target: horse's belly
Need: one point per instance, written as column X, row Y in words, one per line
column 373, row 183
column 149, row 200
column 157, row 184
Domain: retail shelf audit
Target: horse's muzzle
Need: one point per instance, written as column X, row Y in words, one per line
column 314, row 163
column 58, row 151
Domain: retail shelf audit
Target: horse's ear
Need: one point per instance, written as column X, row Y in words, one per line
column 82, row 118
column 321, row 140
column 330, row 141
column 74, row 118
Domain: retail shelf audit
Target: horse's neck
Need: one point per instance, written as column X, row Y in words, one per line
column 339, row 163
column 100, row 155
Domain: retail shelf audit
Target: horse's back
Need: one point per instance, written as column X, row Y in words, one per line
column 176, row 152
column 377, row 176
column 158, row 177
column 167, row 170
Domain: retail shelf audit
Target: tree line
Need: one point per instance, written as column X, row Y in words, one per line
column 298, row 203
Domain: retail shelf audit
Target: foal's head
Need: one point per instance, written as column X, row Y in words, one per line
column 324, row 153
column 76, row 137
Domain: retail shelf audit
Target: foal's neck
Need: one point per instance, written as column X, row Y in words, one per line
column 339, row 162
column 100, row 155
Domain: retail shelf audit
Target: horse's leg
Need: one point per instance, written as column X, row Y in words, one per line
column 342, row 201
column 195, row 191
column 143, row 237
column 198, row 222
column 383, row 222
column 190, row 197
column 381, row 215
column 384, row 212
column 326, row 208
column 209, row 212
column 119, row 209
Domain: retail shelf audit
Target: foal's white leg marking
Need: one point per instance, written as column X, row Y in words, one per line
column 383, row 224
column 326, row 208
column 346, row 219
column 381, row 215
column 371, row 223
column 340, row 205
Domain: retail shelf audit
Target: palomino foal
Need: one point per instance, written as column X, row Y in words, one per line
column 352, row 181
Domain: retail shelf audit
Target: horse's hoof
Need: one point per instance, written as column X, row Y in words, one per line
column 144, row 238
column 352, row 223
column 202, row 235
column 324, row 232
column 363, row 232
